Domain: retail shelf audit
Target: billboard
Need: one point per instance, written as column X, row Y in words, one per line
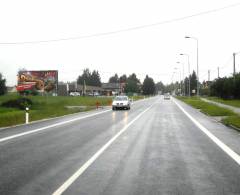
column 42, row 81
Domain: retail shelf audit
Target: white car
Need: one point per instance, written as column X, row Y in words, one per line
column 121, row 102
column 166, row 96
column 74, row 94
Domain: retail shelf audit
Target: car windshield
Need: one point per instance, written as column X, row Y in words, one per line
column 121, row 98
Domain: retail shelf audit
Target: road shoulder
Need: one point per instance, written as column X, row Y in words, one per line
column 226, row 134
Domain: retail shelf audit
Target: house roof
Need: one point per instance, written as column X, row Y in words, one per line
column 110, row 85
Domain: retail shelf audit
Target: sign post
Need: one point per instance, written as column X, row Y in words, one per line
column 27, row 115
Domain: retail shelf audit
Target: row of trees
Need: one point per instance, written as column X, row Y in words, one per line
column 226, row 87
column 132, row 83
column 90, row 78
column 181, row 87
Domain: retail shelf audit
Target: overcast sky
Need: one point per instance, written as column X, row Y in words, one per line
column 153, row 50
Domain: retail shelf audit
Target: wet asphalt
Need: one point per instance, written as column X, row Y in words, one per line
column 162, row 152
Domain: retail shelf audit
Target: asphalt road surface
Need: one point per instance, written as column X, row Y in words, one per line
column 154, row 148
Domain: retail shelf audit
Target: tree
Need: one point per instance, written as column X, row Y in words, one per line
column 132, row 84
column 92, row 79
column 160, row 87
column 193, row 82
column 86, row 75
column 123, row 79
column 186, row 85
column 148, row 86
column 95, row 79
column 3, row 88
column 114, row 79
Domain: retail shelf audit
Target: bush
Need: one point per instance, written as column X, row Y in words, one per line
column 226, row 87
column 20, row 103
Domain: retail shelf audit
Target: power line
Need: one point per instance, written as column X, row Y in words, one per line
column 221, row 67
column 123, row 30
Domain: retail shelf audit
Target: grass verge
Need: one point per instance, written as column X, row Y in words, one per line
column 235, row 103
column 232, row 118
column 232, row 121
column 48, row 107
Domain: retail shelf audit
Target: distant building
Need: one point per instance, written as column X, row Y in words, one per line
column 64, row 89
column 107, row 89
column 111, row 88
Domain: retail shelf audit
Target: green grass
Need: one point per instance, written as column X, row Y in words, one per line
column 235, row 103
column 232, row 118
column 47, row 107
column 207, row 108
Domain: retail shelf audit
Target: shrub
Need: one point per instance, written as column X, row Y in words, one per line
column 20, row 103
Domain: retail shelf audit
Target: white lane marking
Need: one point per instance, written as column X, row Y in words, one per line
column 217, row 141
column 81, row 170
column 54, row 125
column 50, row 126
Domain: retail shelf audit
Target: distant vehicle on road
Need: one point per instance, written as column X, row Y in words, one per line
column 166, row 96
column 121, row 102
column 74, row 94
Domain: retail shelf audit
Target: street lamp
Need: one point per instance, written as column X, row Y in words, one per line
column 176, row 68
column 184, row 54
column 187, row 37
column 182, row 84
column 234, row 60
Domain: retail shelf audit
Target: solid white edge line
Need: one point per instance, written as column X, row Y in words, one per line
column 217, row 141
column 81, row 170
column 50, row 126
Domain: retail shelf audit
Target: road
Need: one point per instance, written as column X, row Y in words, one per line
column 154, row 148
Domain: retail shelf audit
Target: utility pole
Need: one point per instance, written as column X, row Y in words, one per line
column 196, row 39
column 208, row 75
column 218, row 72
column 234, row 65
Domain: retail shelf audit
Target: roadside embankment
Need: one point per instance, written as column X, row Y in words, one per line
column 228, row 117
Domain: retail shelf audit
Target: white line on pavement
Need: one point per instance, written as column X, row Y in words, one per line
column 55, row 125
column 81, row 170
column 223, row 146
column 50, row 126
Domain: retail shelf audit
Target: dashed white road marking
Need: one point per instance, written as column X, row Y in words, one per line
column 57, row 124
column 80, row 171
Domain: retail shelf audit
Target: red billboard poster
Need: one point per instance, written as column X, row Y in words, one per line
column 42, row 81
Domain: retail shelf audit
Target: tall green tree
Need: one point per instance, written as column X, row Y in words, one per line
column 86, row 76
column 3, row 88
column 148, row 86
column 193, row 82
column 123, row 79
column 92, row 79
column 132, row 84
column 114, row 79
column 95, row 79
column 160, row 87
